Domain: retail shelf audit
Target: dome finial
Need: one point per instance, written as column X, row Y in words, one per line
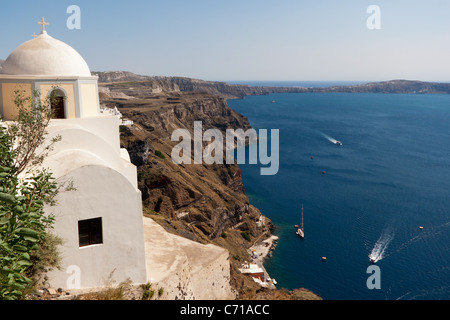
column 43, row 24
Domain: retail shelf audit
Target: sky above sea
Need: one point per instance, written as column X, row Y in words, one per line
column 289, row 40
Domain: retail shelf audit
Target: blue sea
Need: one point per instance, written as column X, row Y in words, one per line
column 390, row 177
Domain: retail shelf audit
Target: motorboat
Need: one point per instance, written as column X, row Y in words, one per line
column 301, row 230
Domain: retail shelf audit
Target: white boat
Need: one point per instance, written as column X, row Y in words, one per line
column 339, row 143
column 373, row 258
column 301, row 230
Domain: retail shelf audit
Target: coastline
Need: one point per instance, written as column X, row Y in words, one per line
column 259, row 252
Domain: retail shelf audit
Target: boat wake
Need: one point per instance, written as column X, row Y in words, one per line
column 379, row 250
column 332, row 140
column 429, row 233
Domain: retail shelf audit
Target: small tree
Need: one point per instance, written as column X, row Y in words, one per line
column 28, row 132
column 25, row 189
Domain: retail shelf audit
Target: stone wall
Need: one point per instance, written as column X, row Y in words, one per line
column 184, row 269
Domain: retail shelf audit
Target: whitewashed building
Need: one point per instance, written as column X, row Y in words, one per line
column 101, row 221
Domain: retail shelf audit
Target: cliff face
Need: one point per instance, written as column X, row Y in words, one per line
column 203, row 203
column 177, row 84
column 205, row 199
column 180, row 84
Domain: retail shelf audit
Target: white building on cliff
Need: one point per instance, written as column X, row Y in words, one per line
column 101, row 222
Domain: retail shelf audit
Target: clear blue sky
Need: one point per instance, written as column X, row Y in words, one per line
column 247, row 39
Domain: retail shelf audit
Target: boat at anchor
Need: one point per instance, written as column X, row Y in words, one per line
column 301, row 230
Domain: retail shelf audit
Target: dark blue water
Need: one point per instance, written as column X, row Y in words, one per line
column 391, row 176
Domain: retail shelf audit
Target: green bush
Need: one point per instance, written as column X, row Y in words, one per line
column 23, row 223
column 160, row 154
column 245, row 235
column 24, row 241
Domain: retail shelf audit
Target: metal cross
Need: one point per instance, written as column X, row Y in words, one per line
column 43, row 24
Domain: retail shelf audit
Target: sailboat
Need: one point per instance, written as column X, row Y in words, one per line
column 301, row 230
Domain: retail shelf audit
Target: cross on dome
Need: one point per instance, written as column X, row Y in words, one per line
column 43, row 24
column 45, row 56
column 34, row 35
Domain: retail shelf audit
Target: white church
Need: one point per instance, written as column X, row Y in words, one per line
column 101, row 222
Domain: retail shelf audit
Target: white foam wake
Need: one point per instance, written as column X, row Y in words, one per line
column 379, row 249
column 329, row 138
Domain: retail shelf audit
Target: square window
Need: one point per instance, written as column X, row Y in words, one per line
column 90, row 232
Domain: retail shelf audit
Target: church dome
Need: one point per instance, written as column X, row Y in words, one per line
column 45, row 56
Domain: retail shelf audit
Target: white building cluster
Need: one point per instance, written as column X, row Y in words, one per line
column 115, row 112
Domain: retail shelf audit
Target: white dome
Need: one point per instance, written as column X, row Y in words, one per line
column 45, row 56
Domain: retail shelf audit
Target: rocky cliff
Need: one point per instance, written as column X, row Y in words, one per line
column 181, row 84
column 393, row 86
column 204, row 203
column 207, row 199
column 229, row 91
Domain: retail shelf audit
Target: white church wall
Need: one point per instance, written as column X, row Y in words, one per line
column 104, row 127
column 90, row 157
column 76, row 139
column 101, row 193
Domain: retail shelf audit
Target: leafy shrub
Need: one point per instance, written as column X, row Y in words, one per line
column 160, row 154
column 245, row 235
column 23, row 223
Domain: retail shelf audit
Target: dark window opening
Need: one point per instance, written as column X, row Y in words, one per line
column 90, row 232
column 57, row 104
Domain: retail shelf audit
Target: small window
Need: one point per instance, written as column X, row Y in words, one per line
column 90, row 232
